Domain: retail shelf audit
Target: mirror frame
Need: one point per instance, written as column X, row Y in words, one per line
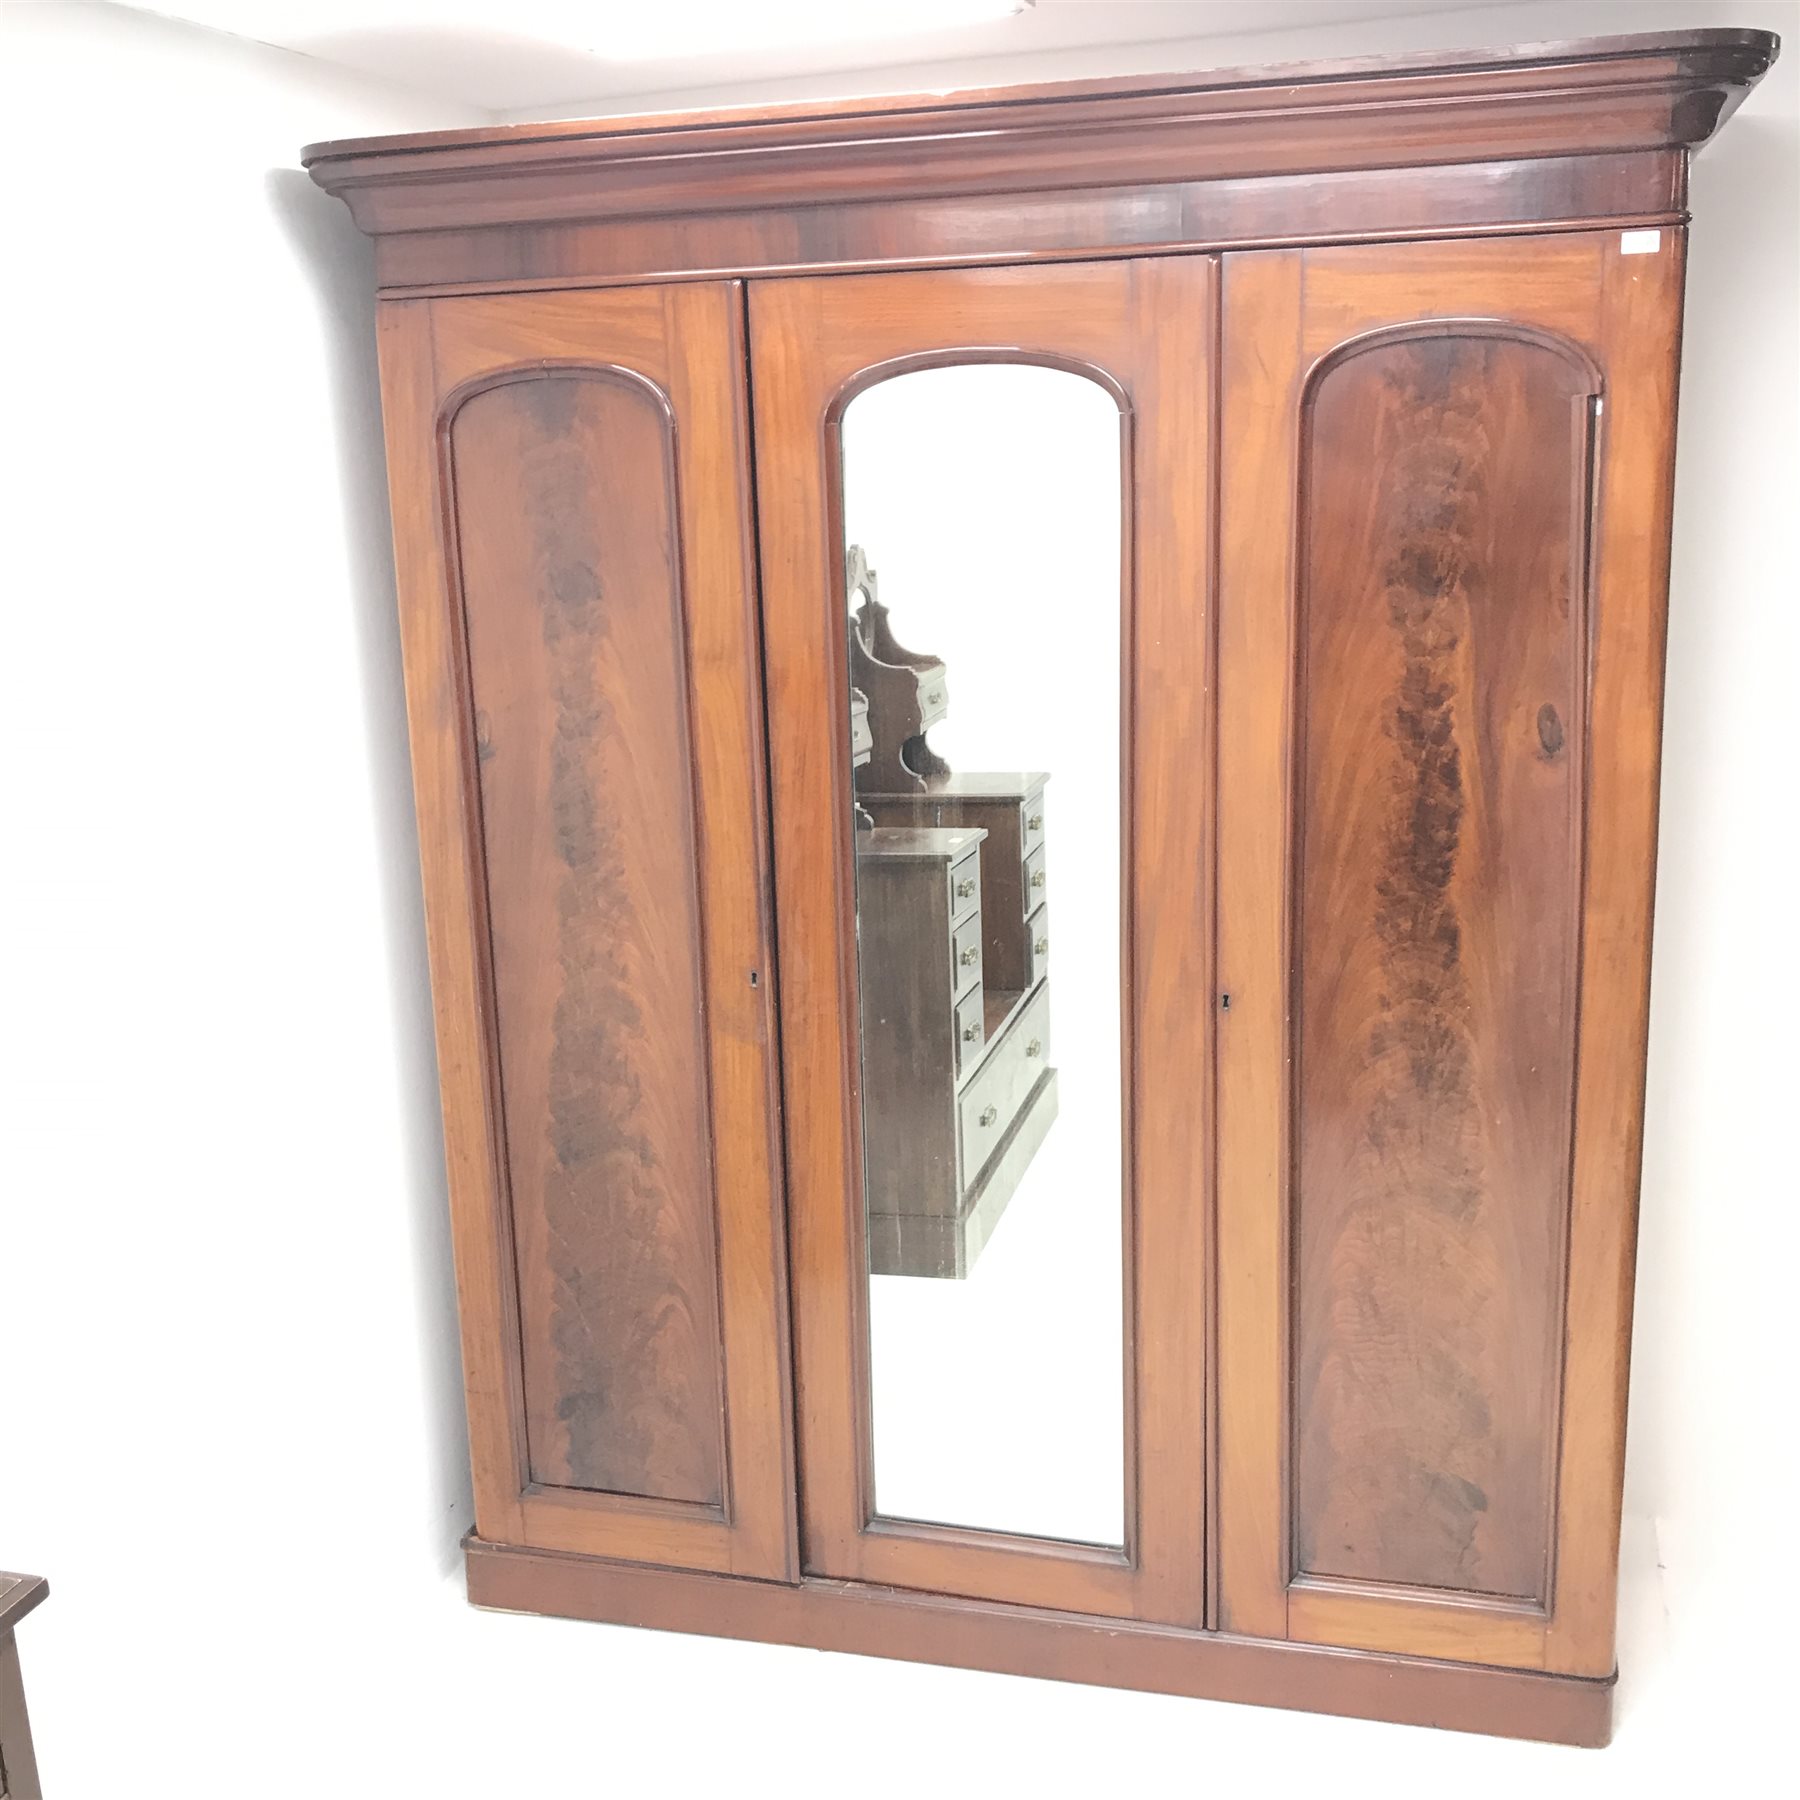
column 1145, row 331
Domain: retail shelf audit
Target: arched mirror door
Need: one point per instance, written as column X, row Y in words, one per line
column 987, row 689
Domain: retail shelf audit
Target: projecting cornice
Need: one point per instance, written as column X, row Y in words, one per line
column 1663, row 91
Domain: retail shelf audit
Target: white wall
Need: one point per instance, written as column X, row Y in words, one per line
column 228, row 1409
column 228, row 1371
column 1711, row 1451
column 1209, row 34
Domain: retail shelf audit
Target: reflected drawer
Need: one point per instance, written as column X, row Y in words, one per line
column 934, row 696
column 965, row 954
column 1031, row 823
column 1036, row 881
column 971, row 1029
column 1003, row 1083
column 1037, row 944
column 965, row 886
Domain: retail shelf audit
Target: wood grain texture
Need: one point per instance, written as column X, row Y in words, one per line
column 440, row 730
column 561, row 487
column 529, row 457
column 1506, row 195
column 1407, row 1376
column 1650, row 92
column 1018, row 1640
column 1390, row 791
column 1440, row 732
column 1719, row 54
column 1144, row 331
column 1639, row 300
column 1259, row 318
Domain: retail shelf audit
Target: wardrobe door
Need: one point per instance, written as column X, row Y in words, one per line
column 1007, row 1406
column 570, row 509
column 1445, row 501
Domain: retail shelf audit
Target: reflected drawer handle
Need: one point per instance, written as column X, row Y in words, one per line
column 988, row 1115
column 1035, row 1047
column 969, row 957
column 1037, row 879
column 965, row 887
column 1041, row 947
column 971, row 1033
column 1035, row 822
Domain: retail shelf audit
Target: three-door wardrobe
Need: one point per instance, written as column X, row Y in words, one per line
column 1233, row 507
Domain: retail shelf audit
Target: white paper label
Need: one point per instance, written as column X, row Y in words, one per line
column 1639, row 243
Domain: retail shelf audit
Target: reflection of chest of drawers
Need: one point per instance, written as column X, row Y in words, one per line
column 958, row 1091
column 1015, row 890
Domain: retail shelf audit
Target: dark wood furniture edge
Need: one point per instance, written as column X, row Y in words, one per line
column 19, row 1594
column 1506, row 197
column 1590, row 97
column 1738, row 56
column 907, row 1626
column 1593, row 96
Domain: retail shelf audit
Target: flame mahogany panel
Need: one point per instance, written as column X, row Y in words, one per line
column 564, row 491
column 1435, row 947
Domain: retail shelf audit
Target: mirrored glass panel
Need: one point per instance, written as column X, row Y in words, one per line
column 982, row 509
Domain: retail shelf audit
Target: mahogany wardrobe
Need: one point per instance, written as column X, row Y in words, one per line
column 1229, row 513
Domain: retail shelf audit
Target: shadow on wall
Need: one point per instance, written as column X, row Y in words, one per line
column 1710, row 1144
column 339, row 262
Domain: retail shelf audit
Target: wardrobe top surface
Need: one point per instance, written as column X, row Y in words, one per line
column 1724, row 58
column 985, row 784
column 905, row 843
column 18, row 1595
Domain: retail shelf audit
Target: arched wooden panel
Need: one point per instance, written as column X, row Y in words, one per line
column 1435, row 941
column 563, row 497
